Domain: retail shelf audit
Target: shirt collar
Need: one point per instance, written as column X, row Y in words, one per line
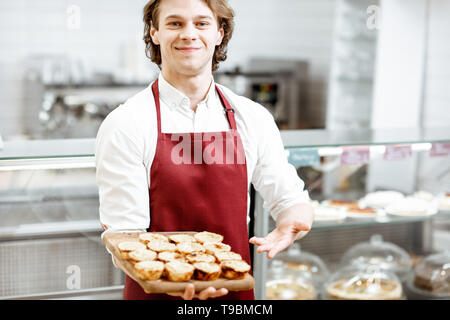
column 174, row 98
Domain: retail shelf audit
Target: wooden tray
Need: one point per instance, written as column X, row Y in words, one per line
column 164, row 286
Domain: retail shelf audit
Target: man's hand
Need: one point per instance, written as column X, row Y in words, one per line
column 189, row 293
column 292, row 224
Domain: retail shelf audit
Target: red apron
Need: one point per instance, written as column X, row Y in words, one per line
column 197, row 195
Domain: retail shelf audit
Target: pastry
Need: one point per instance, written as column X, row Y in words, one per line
column 361, row 212
column 206, row 271
column 411, row 207
column 179, row 271
column 234, row 269
column 161, row 245
column 213, row 247
column 141, row 255
column 381, row 199
column 190, row 247
column 365, row 289
column 287, row 289
column 342, row 203
column 206, row 236
column 199, row 257
column 424, row 195
column 324, row 213
column 125, row 247
column 149, row 270
column 167, row 256
column 149, row 236
column 227, row 255
column 178, row 238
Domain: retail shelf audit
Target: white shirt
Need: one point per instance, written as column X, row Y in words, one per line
column 126, row 143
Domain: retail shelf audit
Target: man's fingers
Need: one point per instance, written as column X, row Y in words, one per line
column 278, row 247
column 189, row 292
column 257, row 241
column 205, row 294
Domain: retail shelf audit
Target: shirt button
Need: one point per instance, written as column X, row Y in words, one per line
column 185, row 102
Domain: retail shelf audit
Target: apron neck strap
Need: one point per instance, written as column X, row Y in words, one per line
column 228, row 109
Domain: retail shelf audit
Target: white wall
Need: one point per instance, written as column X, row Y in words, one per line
column 288, row 29
column 437, row 74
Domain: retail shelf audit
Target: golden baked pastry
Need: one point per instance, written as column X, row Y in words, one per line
column 227, row 255
column 179, row 271
column 288, row 289
column 125, row 247
column 161, row 245
column 343, row 203
column 189, row 247
column 167, row 256
column 146, row 237
column 234, row 269
column 386, row 290
column 206, row 271
column 141, row 255
column 149, row 270
column 206, row 236
column 199, row 257
column 178, row 238
column 213, row 247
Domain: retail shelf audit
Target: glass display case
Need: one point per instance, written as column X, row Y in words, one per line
column 391, row 182
column 50, row 230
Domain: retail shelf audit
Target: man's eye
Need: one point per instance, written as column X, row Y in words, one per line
column 174, row 24
column 202, row 24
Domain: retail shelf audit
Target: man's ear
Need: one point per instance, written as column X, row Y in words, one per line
column 220, row 34
column 154, row 34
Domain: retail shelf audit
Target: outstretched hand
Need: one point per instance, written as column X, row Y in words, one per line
column 189, row 293
column 290, row 227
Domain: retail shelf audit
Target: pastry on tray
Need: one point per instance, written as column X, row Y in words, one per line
column 199, row 257
column 179, row 238
column 342, row 203
column 234, row 269
column 227, row 255
column 141, row 255
column 161, row 245
column 179, row 271
column 149, row 270
column 213, row 247
column 125, row 247
column 206, row 236
column 190, row 247
column 167, row 256
column 206, row 271
column 149, row 236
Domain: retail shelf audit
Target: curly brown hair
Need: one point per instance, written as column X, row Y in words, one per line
column 225, row 20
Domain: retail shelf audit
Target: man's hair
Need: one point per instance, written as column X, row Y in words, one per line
column 225, row 19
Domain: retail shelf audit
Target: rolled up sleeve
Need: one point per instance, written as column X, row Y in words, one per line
column 274, row 177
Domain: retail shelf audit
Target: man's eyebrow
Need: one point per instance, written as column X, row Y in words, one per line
column 175, row 16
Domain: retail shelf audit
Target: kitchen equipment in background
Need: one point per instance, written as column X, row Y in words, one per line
column 63, row 101
column 278, row 85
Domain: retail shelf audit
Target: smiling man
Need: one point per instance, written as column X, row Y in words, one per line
column 143, row 188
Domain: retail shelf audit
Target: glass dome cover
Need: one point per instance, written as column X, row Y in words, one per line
column 432, row 274
column 386, row 255
column 301, row 261
column 285, row 284
column 363, row 283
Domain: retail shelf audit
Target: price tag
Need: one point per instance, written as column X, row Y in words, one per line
column 304, row 157
column 440, row 149
column 397, row 152
column 355, row 155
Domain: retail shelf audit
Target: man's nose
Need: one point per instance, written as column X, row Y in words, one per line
column 189, row 32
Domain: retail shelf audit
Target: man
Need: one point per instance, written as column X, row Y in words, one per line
column 144, row 182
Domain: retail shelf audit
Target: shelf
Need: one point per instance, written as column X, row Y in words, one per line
column 388, row 219
column 297, row 139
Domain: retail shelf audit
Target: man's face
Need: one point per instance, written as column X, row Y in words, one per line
column 188, row 34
